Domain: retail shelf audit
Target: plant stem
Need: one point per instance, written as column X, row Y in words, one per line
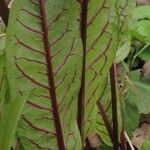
column 129, row 141
column 81, row 97
column 2, row 35
column 136, row 55
column 113, row 81
column 123, row 140
column 4, row 11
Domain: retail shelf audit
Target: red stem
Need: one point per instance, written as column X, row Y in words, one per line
column 113, row 81
column 123, row 141
column 81, row 98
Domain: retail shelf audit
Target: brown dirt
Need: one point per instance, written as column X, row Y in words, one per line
column 140, row 135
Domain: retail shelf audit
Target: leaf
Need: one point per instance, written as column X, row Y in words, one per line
column 3, row 82
column 8, row 122
column 123, row 52
column 139, row 92
column 43, row 57
column 3, row 85
column 125, row 9
column 105, row 147
column 141, row 12
column 130, row 115
column 104, row 117
column 2, row 28
column 99, row 48
column 146, row 145
column 48, row 60
column 140, row 26
column 145, row 55
column 2, row 43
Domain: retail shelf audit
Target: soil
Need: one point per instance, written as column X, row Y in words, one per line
column 142, row 133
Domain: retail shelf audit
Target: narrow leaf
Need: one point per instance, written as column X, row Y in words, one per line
column 98, row 34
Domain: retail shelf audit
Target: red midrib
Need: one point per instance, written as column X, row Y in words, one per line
column 81, row 98
column 52, row 90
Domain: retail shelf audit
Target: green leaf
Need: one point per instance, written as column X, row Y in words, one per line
column 47, row 52
column 123, row 51
column 145, row 55
column 55, row 83
column 8, row 122
column 105, row 147
column 2, row 43
column 2, row 28
column 140, row 26
column 146, row 145
column 101, row 36
column 104, row 117
column 141, row 12
column 3, row 83
column 130, row 114
column 139, row 92
column 143, row 28
column 135, row 100
column 125, row 9
column 43, row 54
